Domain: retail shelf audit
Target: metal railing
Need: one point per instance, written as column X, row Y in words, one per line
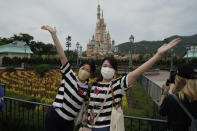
column 3, row 86
column 28, row 115
column 24, row 114
column 151, row 88
column 144, row 124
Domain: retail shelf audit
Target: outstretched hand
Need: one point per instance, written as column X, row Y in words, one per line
column 165, row 47
column 52, row 30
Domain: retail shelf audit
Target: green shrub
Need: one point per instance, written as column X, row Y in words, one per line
column 96, row 73
column 42, row 69
column 10, row 69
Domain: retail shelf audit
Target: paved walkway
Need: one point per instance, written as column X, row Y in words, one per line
column 159, row 77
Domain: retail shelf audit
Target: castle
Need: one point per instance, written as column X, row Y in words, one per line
column 101, row 44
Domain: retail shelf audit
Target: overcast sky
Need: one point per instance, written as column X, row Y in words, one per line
column 145, row 19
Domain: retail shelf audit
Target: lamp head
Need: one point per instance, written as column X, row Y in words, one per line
column 77, row 44
column 131, row 39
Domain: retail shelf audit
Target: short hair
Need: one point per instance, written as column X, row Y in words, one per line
column 112, row 62
column 91, row 64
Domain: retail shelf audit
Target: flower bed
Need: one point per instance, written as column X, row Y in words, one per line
column 26, row 83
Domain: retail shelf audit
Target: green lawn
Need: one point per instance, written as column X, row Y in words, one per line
column 140, row 104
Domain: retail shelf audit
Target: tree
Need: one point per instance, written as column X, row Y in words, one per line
column 6, row 61
column 84, row 54
column 47, row 49
column 26, row 38
column 16, row 37
column 4, row 41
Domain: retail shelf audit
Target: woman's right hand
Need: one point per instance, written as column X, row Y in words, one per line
column 52, row 30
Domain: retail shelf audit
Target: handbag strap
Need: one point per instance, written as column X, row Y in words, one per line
column 101, row 106
column 183, row 107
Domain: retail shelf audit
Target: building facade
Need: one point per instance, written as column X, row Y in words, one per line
column 15, row 49
column 101, row 44
column 191, row 52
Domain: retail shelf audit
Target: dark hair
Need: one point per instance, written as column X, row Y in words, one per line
column 112, row 62
column 92, row 65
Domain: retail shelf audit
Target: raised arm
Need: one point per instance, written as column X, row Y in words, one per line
column 132, row 76
column 165, row 90
column 58, row 46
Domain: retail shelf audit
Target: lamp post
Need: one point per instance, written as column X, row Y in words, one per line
column 77, row 45
column 193, row 50
column 131, row 39
column 171, row 62
column 25, row 49
column 80, row 52
column 187, row 48
column 68, row 43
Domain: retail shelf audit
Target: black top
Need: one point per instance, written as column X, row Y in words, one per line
column 177, row 118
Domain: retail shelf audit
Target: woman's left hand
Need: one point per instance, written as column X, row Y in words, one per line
column 165, row 89
column 166, row 47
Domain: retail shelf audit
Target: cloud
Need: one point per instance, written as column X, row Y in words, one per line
column 145, row 19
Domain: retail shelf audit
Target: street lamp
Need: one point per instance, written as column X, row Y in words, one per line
column 80, row 52
column 172, row 55
column 68, row 43
column 187, row 48
column 25, row 49
column 77, row 45
column 131, row 39
column 193, row 50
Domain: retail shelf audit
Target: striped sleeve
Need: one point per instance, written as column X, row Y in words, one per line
column 59, row 97
column 65, row 68
column 123, row 83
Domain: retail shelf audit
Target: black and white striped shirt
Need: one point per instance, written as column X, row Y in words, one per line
column 97, row 95
column 71, row 94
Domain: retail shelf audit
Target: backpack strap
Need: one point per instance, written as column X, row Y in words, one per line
column 183, row 107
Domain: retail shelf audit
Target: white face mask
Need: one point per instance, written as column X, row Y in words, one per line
column 107, row 72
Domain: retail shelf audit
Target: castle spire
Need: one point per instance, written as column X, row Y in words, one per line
column 98, row 11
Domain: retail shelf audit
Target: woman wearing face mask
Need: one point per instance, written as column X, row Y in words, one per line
column 99, row 89
column 72, row 92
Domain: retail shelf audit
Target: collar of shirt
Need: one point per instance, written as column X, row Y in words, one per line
column 83, row 85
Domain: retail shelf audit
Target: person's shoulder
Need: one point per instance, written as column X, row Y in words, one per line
column 170, row 97
column 171, row 100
